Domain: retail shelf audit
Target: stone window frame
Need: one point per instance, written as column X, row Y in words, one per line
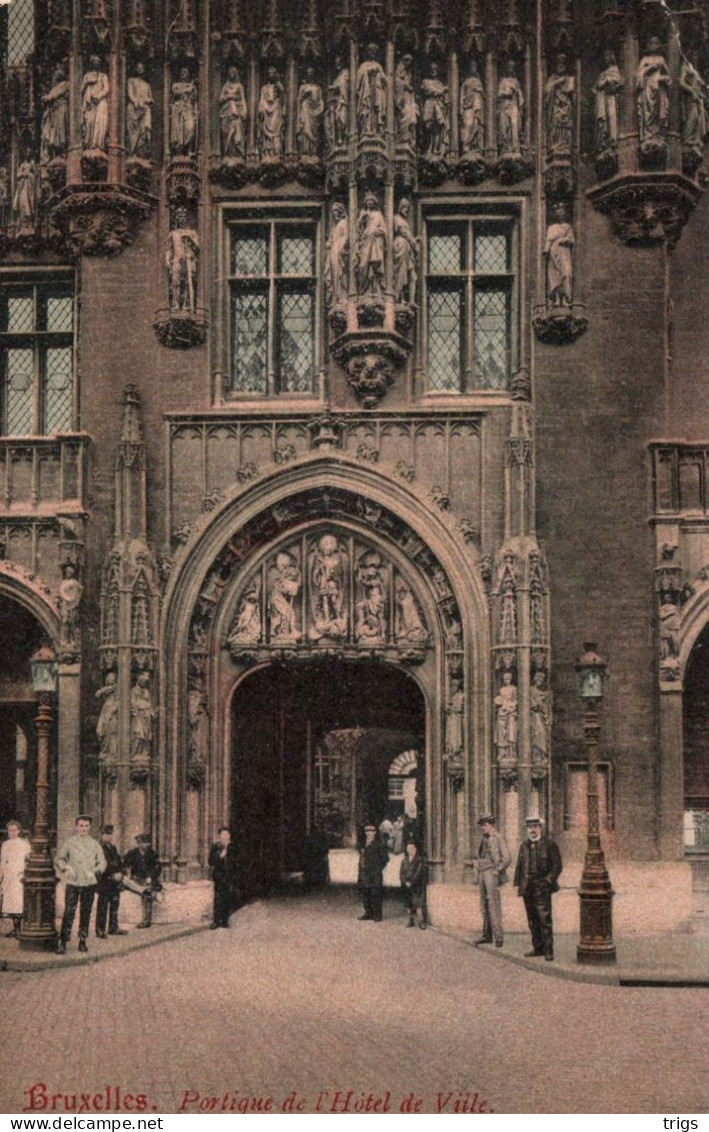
column 297, row 215
column 495, row 216
column 40, row 286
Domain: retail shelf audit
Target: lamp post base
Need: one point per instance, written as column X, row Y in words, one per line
column 38, row 930
column 596, row 944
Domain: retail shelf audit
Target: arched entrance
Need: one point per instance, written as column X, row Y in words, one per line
column 313, row 744
column 695, row 703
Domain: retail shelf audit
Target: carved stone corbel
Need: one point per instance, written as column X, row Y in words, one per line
column 102, row 219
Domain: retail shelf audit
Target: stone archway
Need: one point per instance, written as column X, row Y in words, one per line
column 247, row 595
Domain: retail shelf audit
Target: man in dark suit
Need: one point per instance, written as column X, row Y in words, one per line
column 109, row 887
column 373, row 859
column 142, row 875
column 536, row 877
column 222, row 862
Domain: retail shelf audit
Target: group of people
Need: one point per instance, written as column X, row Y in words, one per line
column 536, row 878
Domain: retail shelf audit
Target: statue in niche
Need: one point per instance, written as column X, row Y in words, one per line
column 70, row 594
column 311, row 110
column 435, row 115
column 510, row 112
column 107, row 723
column 540, row 708
column 454, row 720
column 371, row 247
column 406, row 255
column 24, row 199
column 558, row 252
column 559, row 109
column 95, row 89
column 694, row 107
column 182, row 260
column 183, row 115
column 246, row 628
column 507, row 587
column 271, row 115
column 142, row 718
column 233, row 115
column 327, row 579
column 472, row 111
column 608, row 85
column 653, row 82
column 371, row 95
column 285, row 586
column 670, row 624
column 406, row 109
column 371, row 625
column 506, row 720
column 338, row 256
column 409, row 628
column 55, row 118
column 139, row 114
column 338, row 106
column 198, row 724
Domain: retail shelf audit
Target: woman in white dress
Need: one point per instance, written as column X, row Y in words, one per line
column 13, row 856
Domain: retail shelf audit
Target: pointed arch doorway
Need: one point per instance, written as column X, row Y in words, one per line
column 313, row 744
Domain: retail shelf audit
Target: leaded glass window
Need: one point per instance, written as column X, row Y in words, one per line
column 273, row 307
column 37, row 358
column 469, row 295
column 20, row 32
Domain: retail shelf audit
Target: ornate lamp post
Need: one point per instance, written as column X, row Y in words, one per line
column 596, row 944
column 38, row 930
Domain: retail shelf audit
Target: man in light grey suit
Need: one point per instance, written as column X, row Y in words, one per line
column 493, row 861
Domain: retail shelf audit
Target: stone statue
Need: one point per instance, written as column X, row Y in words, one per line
column 540, row 708
column 670, row 624
column 327, row 579
column 371, row 95
column 182, row 260
column 510, row 112
column 246, row 629
column 558, row 252
column 559, row 98
column 142, row 718
column 95, row 89
column 371, row 625
column 338, row 106
column 409, row 628
column 608, row 85
column 183, row 115
column 311, row 110
column 454, row 720
column 694, row 107
column 653, row 82
column 405, row 105
column 472, row 112
column 24, row 200
column 70, row 594
column 371, row 247
column 233, row 115
column 506, row 719
column 139, row 114
column 285, row 586
column 271, row 115
column 198, row 725
column 55, row 118
column 338, row 256
column 435, row 115
column 406, row 256
column 107, row 723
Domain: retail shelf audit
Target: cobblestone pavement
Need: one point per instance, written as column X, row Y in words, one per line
column 299, row 995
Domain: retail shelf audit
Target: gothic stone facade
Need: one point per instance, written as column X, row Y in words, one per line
column 345, row 349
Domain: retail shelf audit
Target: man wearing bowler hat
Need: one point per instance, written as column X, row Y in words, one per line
column 537, row 877
column 109, row 887
column 373, row 859
column 493, row 861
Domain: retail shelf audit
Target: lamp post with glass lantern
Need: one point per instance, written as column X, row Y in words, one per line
column 596, row 943
column 38, row 929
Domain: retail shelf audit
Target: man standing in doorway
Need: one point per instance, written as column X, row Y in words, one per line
column 79, row 862
column 222, row 861
column 109, row 887
column 373, row 860
column 493, row 861
column 537, row 877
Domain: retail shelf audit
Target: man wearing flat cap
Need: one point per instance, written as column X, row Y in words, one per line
column 79, row 862
column 109, row 887
column 142, row 875
column 373, row 859
column 537, row 877
column 493, row 861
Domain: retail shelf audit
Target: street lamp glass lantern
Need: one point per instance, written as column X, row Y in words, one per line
column 591, row 671
column 44, row 670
